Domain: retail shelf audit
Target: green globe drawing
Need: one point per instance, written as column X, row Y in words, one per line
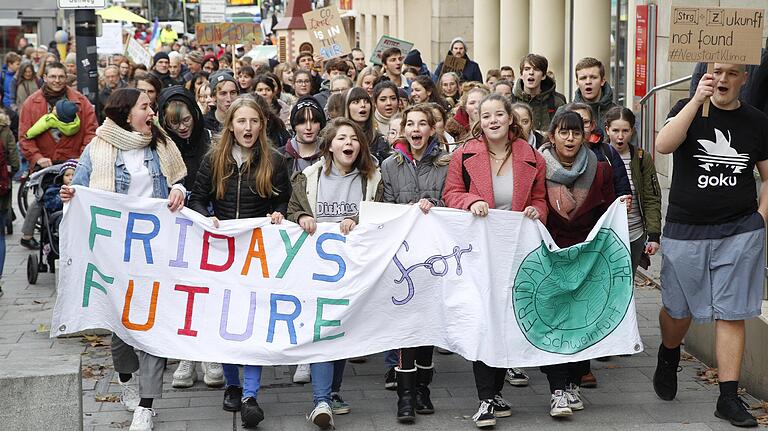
column 568, row 300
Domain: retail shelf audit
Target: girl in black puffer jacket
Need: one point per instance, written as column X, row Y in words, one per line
column 243, row 177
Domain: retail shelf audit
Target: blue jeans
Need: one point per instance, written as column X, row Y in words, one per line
column 322, row 378
column 338, row 374
column 391, row 359
column 251, row 378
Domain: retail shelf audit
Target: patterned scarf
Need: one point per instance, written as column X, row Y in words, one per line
column 52, row 97
column 568, row 189
column 110, row 138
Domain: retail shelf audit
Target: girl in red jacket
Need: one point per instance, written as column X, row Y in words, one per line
column 498, row 169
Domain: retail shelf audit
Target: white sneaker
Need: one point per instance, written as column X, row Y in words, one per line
column 322, row 415
column 185, row 375
column 142, row 419
column 573, row 392
column 559, row 405
column 302, row 374
column 129, row 394
column 213, row 374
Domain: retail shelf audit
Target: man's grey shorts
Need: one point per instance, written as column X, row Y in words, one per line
column 714, row 279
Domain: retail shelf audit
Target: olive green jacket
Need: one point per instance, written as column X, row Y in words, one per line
column 648, row 191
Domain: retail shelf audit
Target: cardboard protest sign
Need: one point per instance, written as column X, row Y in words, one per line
column 138, row 53
column 453, row 64
column 252, row 292
column 327, row 32
column 715, row 34
column 386, row 42
column 226, row 33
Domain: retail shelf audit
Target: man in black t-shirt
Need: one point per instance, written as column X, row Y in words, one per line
column 713, row 244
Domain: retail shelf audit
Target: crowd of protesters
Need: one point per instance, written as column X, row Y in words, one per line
column 304, row 134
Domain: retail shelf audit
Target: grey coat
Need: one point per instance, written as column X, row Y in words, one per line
column 406, row 181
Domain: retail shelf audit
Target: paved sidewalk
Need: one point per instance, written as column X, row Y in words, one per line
column 623, row 400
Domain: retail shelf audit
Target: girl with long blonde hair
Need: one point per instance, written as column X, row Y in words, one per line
column 242, row 176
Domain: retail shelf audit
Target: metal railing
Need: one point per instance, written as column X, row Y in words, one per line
column 647, row 123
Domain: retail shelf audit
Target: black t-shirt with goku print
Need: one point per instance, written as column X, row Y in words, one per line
column 712, row 178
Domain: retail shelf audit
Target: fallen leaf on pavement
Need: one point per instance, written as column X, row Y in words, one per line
column 108, row 398
column 685, row 356
column 708, row 375
column 123, row 424
column 42, row 328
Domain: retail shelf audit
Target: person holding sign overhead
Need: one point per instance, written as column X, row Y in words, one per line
column 713, row 242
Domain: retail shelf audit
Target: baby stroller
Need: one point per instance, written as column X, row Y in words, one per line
column 44, row 259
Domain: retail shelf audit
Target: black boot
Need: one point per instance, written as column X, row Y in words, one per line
column 423, row 379
column 665, row 376
column 406, row 399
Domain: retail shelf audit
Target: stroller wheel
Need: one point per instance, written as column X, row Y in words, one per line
column 32, row 268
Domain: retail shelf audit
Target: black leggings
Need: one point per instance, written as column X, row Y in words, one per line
column 560, row 375
column 489, row 380
column 412, row 356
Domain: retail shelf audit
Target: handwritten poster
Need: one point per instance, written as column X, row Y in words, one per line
column 453, row 64
column 387, row 42
column 227, row 33
column 715, row 34
column 327, row 33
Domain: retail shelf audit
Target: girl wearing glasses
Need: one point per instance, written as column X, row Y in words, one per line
column 579, row 190
column 302, row 83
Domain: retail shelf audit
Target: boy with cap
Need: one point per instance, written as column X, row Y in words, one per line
column 63, row 117
column 471, row 70
column 51, row 199
column 413, row 59
column 224, row 90
column 160, row 68
column 307, row 120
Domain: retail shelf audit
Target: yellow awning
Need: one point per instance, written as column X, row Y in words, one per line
column 117, row 13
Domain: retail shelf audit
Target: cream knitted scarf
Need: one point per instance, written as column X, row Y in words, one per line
column 110, row 138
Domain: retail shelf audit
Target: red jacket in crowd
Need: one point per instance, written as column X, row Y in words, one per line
column 68, row 147
column 472, row 160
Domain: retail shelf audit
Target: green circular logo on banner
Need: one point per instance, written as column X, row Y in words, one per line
column 568, row 300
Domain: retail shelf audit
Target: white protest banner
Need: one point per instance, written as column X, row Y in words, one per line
column 138, row 53
column 494, row 289
column 386, row 42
